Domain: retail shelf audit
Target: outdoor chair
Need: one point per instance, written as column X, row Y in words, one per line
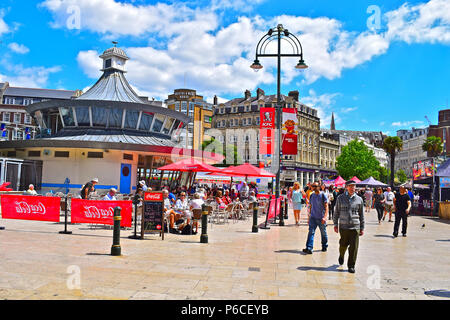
column 196, row 217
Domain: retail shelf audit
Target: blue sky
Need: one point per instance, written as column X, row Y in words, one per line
column 378, row 65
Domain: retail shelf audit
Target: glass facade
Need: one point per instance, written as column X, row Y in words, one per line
column 83, row 118
column 131, row 119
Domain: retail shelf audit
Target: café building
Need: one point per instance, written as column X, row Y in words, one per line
column 109, row 133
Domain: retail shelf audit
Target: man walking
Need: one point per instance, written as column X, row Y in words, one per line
column 349, row 222
column 402, row 206
column 317, row 212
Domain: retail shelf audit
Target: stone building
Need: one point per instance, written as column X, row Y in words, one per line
column 412, row 149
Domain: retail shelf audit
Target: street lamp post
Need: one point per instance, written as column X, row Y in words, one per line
column 278, row 34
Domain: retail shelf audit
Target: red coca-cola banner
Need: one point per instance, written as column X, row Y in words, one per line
column 30, row 207
column 100, row 211
column 272, row 212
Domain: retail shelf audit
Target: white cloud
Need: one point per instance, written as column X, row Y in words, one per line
column 31, row 77
column 190, row 43
column 426, row 22
column 4, row 28
column 325, row 104
column 18, row 48
column 348, row 110
column 407, row 123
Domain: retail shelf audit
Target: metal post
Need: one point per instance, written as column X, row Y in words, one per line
column 281, row 212
column 135, row 236
column 65, row 220
column 286, row 208
column 255, row 217
column 204, row 235
column 277, row 192
column 116, row 249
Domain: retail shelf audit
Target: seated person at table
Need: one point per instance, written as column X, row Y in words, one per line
column 196, row 203
column 226, row 198
column 31, row 190
column 219, row 200
column 252, row 197
column 180, row 209
column 111, row 195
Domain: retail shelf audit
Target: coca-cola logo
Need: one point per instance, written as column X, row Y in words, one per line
column 23, row 207
column 153, row 197
column 98, row 213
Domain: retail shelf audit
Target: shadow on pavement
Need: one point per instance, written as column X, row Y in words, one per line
column 333, row 268
column 444, row 240
column 383, row 236
column 438, row 293
column 291, row 251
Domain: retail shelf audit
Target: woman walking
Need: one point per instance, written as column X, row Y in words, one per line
column 297, row 196
column 378, row 202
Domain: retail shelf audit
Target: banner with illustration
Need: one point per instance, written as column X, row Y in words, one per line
column 423, row 169
column 30, row 207
column 100, row 211
column 289, row 131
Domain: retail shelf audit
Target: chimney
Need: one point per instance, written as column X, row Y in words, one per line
column 293, row 94
column 259, row 92
column 215, row 100
column 248, row 94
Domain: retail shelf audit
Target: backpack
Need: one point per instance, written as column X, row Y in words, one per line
column 187, row 229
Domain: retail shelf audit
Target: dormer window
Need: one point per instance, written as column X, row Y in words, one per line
column 107, row 63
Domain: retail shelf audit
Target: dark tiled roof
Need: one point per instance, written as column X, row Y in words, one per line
column 39, row 93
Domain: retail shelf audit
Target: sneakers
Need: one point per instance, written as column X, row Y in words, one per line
column 351, row 270
column 307, row 251
column 395, row 235
column 404, row 234
column 324, row 249
column 341, row 261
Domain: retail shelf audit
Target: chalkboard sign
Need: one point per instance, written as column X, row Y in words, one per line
column 153, row 214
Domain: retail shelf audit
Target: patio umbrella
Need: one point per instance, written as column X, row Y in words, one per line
column 371, row 182
column 189, row 164
column 247, row 170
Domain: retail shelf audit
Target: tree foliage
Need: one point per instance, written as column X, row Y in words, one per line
column 392, row 145
column 357, row 160
column 401, row 176
column 230, row 152
column 433, row 145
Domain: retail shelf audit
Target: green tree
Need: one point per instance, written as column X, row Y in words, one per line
column 433, row 146
column 357, row 160
column 401, row 176
column 392, row 145
column 384, row 174
column 230, row 151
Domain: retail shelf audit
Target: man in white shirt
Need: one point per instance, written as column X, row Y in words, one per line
column 31, row 190
column 111, row 195
column 389, row 203
column 196, row 203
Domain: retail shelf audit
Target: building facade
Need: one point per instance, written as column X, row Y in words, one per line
column 200, row 114
column 237, row 123
column 16, row 122
column 442, row 129
column 412, row 149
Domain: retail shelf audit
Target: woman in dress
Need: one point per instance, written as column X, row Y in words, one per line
column 297, row 195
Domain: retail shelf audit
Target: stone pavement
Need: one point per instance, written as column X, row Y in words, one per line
column 36, row 262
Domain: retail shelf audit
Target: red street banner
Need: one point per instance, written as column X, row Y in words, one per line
column 289, row 131
column 267, row 131
column 30, row 207
column 272, row 213
column 100, row 211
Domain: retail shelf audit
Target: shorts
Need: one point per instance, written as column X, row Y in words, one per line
column 369, row 203
column 297, row 205
column 388, row 207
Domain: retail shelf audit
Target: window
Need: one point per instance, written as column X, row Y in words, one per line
column 99, row 116
column 19, row 135
column 61, row 154
column 131, row 119
column 207, row 119
column 236, row 122
column 83, row 116
column 223, row 123
column 11, row 154
column 35, row 153
column 27, row 101
column 66, row 113
column 157, row 123
column 9, row 101
column 127, row 156
column 27, row 119
column 107, row 63
column 97, row 155
column 17, row 117
column 244, row 122
column 6, row 116
column 146, row 121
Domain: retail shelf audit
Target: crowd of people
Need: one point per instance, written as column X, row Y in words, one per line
column 346, row 207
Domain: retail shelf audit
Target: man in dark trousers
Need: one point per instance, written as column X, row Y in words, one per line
column 402, row 206
column 318, row 211
column 348, row 220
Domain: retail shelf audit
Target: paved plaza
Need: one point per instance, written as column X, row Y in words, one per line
column 36, row 262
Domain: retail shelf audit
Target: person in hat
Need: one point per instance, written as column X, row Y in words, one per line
column 111, row 195
column 143, row 186
column 348, row 221
column 88, row 188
